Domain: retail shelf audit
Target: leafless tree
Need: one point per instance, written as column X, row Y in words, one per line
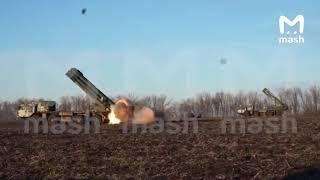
column 205, row 104
column 292, row 97
column 65, row 103
column 206, row 107
column 159, row 103
column 253, row 99
column 7, row 111
column 133, row 98
column 307, row 102
column 218, row 103
column 315, row 97
column 174, row 112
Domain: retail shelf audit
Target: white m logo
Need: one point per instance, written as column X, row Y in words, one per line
column 284, row 19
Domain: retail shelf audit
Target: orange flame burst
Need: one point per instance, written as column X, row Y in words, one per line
column 123, row 111
column 112, row 117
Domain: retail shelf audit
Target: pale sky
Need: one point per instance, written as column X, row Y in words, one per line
column 153, row 47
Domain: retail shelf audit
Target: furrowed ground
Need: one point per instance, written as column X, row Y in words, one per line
column 207, row 154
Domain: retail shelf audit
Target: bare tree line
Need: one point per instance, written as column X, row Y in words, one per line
column 204, row 104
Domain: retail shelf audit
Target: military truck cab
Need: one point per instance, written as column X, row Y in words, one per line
column 40, row 108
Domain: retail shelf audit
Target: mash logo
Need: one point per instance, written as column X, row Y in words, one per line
column 289, row 36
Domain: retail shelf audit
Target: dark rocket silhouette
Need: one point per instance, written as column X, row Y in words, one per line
column 83, row 11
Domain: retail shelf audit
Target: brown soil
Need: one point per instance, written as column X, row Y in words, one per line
column 208, row 154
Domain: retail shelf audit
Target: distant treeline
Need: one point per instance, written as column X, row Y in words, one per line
column 205, row 104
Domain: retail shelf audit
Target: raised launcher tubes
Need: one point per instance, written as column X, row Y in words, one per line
column 77, row 77
column 278, row 102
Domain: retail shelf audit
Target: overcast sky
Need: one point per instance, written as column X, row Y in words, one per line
column 171, row 47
